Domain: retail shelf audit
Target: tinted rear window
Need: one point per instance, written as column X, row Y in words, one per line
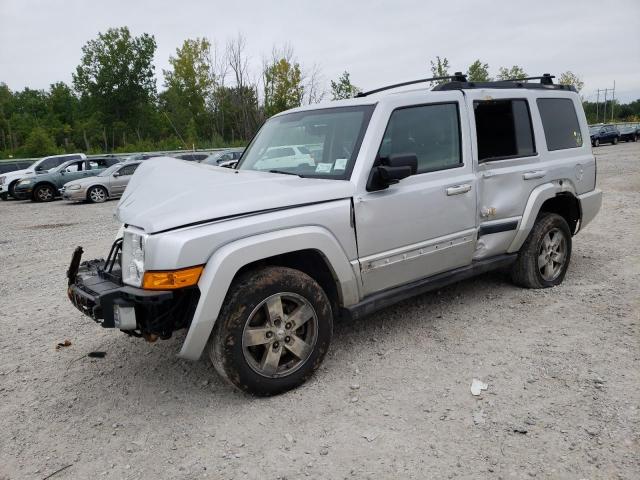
column 560, row 123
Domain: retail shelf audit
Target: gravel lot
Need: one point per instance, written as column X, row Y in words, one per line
column 391, row 401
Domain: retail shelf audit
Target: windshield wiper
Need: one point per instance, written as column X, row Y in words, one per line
column 286, row 173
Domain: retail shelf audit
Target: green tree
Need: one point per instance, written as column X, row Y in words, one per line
column 440, row 68
column 514, row 72
column 478, row 72
column 116, row 77
column 343, row 88
column 570, row 78
column 39, row 143
column 283, row 87
column 190, row 85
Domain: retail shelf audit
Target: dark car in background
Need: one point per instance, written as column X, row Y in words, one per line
column 224, row 157
column 13, row 166
column 192, row 156
column 604, row 134
column 629, row 133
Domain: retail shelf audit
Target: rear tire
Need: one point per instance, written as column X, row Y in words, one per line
column 614, row 141
column 97, row 195
column 44, row 193
column 544, row 258
column 273, row 331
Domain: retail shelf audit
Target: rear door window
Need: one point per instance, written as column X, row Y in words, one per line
column 503, row 129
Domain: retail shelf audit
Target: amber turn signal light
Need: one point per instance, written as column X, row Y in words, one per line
column 172, row 279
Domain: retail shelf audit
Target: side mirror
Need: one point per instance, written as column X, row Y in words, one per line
column 391, row 170
column 116, row 174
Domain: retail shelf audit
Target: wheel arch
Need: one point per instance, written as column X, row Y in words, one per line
column 56, row 190
column 554, row 197
column 312, row 249
column 106, row 189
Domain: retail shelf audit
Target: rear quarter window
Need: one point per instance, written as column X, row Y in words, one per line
column 560, row 123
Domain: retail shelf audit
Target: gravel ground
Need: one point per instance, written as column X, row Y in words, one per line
column 392, row 399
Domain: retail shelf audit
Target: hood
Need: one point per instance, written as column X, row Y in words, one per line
column 13, row 174
column 166, row 193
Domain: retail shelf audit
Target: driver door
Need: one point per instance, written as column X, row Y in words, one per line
column 426, row 223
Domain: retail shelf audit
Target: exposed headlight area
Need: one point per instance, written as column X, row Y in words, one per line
column 2, row 180
column 133, row 258
column 72, row 187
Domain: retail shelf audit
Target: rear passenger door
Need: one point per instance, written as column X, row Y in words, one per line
column 508, row 164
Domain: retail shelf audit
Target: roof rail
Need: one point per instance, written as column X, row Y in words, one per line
column 456, row 77
column 546, row 82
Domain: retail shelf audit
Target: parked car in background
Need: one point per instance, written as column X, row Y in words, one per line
column 604, row 134
column 629, row 133
column 46, row 187
column 142, row 156
column 10, row 180
column 224, row 157
column 109, row 183
column 284, row 156
column 192, row 156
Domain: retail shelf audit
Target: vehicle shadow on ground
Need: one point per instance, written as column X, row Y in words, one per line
column 153, row 368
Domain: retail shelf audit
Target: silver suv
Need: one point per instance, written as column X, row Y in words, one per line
column 404, row 192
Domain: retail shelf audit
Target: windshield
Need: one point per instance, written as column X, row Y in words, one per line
column 213, row 158
column 110, row 170
column 317, row 143
column 594, row 129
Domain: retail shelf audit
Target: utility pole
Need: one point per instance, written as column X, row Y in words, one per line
column 598, row 107
column 604, row 117
column 613, row 100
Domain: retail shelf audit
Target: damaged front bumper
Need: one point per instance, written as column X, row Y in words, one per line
column 96, row 290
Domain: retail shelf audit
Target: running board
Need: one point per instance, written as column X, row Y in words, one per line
column 393, row 295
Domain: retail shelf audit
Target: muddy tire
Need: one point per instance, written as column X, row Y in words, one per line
column 544, row 258
column 273, row 331
column 97, row 195
column 44, row 193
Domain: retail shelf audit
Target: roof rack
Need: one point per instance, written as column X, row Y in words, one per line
column 456, row 77
column 546, row 83
column 458, row 81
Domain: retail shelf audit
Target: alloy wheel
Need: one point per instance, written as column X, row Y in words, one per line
column 44, row 194
column 552, row 254
column 280, row 335
column 97, row 195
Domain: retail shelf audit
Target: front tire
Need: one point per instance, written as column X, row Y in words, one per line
column 97, row 195
column 615, row 141
column 12, row 189
column 4, row 196
column 273, row 331
column 44, row 193
column 544, row 258
column 596, row 142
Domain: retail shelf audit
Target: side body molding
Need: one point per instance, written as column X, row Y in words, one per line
column 229, row 259
column 538, row 196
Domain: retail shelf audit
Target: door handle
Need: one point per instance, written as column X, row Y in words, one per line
column 458, row 189
column 533, row 175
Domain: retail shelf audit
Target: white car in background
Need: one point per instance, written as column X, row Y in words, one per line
column 9, row 180
column 285, row 156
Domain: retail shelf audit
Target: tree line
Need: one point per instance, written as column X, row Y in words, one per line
column 210, row 97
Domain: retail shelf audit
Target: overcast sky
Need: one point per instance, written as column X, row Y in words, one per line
column 378, row 42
